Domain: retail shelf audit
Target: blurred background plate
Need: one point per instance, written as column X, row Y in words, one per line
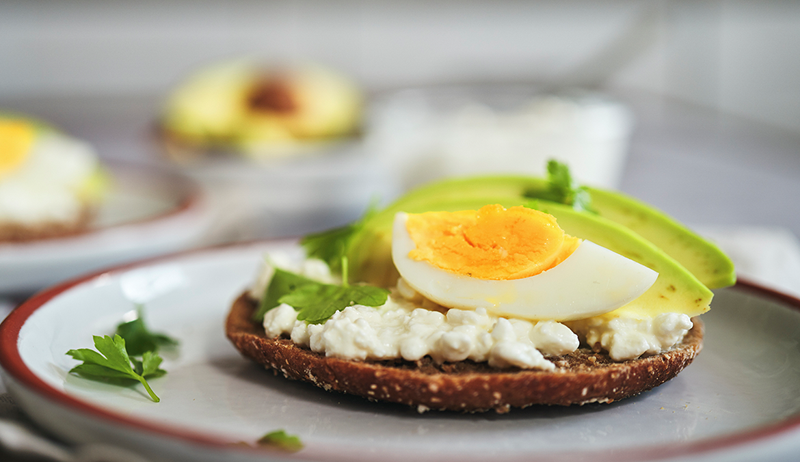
column 329, row 184
column 278, row 145
column 148, row 212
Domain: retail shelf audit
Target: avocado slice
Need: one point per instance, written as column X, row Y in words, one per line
column 675, row 290
column 698, row 255
column 702, row 258
column 94, row 188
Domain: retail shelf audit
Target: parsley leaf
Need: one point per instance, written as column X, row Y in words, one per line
column 316, row 302
column 148, row 366
column 282, row 283
column 139, row 339
column 111, row 363
column 331, row 245
column 563, row 189
column 279, row 439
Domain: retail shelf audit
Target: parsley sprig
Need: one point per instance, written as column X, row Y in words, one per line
column 139, row 339
column 111, row 363
column 315, row 301
column 115, row 360
column 282, row 283
column 563, row 189
column 331, row 245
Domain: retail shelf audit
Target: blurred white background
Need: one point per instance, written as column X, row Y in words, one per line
column 713, row 85
column 740, row 57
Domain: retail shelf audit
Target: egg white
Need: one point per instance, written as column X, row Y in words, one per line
column 43, row 188
column 591, row 281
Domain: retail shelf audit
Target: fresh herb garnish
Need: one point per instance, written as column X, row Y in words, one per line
column 563, row 189
column 283, row 282
column 111, row 364
column 139, row 339
column 279, row 439
column 315, row 301
column 331, row 245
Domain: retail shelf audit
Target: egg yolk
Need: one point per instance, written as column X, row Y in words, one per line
column 490, row 243
column 16, row 139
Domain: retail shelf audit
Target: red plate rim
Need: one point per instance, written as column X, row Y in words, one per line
column 12, row 363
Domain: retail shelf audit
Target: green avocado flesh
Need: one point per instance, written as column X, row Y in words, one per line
column 702, row 258
column 675, row 290
column 95, row 187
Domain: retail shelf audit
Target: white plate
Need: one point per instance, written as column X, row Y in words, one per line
column 148, row 212
column 740, row 399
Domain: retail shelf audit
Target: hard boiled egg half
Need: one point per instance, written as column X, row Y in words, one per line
column 514, row 262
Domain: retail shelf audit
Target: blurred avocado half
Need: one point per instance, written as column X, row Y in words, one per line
column 258, row 110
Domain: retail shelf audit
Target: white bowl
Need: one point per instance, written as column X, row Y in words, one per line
column 429, row 133
column 328, row 184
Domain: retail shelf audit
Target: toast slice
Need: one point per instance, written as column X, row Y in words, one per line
column 581, row 377
column 24, row 232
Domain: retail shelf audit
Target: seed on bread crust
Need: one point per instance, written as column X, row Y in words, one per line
column 581, row 377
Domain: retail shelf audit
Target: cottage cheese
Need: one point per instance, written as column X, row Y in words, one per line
column 401, row 329
column 411, row 327
column 627, row 338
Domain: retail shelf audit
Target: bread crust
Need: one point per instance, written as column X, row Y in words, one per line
column 581, row 377
column 23, row 232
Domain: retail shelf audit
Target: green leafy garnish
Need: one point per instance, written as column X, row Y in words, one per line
column 331, row 245
column 139, row 339
column 317, row 302
column 111, row 364
column 282, row 283
column 563, row 189
column 279, row 439
column 314, row 301
column 536, row 205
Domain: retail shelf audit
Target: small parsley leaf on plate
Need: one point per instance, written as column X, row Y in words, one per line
column 139, row 339
column 148, row 365
column 111, row 363
column 279, row 439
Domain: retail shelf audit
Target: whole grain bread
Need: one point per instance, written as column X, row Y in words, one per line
column 581, row 377
column 23, row 232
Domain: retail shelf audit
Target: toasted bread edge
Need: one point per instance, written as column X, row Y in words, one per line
column 581, row 377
